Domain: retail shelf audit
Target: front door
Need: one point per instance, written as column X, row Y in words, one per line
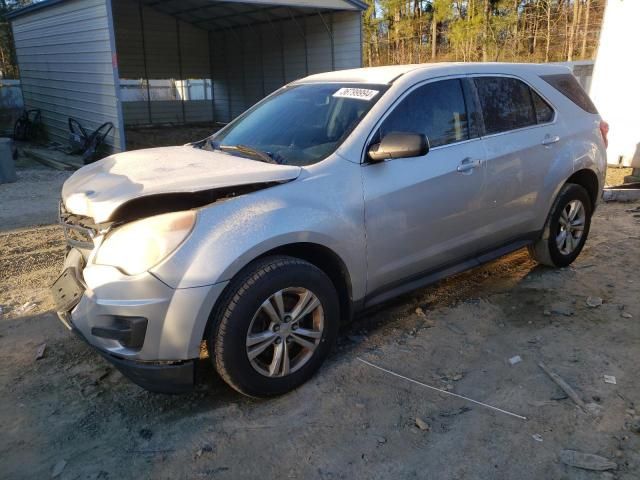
column 424, row 213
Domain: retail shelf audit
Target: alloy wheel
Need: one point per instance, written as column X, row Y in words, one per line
column 571, row 227
column 285, row 332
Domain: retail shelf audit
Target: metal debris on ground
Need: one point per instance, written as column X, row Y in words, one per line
column 515, row 360
column 537, row 437
column 40, row 351
column 25, row 308
column 442, row 391
column 626, row 315
column 593, row 302
column 422, row 425
column 610, row 379
column 586, row 461
column 564, row 386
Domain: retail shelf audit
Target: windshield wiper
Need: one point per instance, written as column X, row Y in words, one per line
column 247, row 150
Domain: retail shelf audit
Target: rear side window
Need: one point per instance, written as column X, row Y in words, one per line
column 567, row 84
column 506, row 104
column 544, row 112
column 436, row 109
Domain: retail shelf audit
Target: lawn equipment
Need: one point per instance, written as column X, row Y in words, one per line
column 87, row 144
column 26, row 127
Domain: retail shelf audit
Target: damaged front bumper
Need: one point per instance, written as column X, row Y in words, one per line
column 148, row 330
column 159, row 377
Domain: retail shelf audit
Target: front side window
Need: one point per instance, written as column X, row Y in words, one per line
column 436, row 109
column 506, row 104
column 299, row 126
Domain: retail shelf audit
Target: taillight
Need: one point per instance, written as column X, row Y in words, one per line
column 604, row 131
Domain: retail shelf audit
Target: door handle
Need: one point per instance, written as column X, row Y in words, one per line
column 467, row 165
column 548, row 140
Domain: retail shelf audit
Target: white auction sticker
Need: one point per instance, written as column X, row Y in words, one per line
column 357, row 93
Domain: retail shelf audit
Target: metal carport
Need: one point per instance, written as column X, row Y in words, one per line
column 139, row 62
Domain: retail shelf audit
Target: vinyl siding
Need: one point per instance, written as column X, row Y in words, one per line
column 66, row 70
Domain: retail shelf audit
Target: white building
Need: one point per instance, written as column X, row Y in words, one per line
column 614, row 88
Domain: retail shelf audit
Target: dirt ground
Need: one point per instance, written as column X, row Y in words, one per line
column 33, row 199
column 615, row 176
column 71, row 411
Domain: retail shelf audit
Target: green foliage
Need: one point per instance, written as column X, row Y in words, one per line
column 8, row 64
column 403, row 31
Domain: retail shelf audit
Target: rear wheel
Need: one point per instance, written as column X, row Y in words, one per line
column 566, row 230
column 276, row 326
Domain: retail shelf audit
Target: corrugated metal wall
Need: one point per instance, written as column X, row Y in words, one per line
column 251, row 62
column 246, row 63
column 65, row 57
column 159, row 55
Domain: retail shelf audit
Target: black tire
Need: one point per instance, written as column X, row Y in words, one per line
column 247, row 292
column 545, row 250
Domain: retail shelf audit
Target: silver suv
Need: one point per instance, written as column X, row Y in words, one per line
column 335, row 193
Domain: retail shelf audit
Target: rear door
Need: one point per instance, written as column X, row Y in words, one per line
column 423, row 213
column 522, row 139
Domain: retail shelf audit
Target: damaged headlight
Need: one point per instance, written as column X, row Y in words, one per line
column 136, row 247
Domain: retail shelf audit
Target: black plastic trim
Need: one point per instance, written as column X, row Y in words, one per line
column 129, row 331
column 421, row 280
column 158, row 377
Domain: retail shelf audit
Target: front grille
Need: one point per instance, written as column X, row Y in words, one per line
column 79, row 231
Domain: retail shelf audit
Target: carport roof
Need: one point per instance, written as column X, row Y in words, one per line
column 220, row 14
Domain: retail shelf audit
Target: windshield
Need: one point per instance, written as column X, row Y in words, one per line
column 299, row 126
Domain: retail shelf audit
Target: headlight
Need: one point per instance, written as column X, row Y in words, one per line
column 136, row 247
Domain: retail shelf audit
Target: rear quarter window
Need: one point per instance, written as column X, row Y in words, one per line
column 567, row 84
column 506, row 104
column 544, row 112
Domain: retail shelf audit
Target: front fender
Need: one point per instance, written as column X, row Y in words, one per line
column 323, row 209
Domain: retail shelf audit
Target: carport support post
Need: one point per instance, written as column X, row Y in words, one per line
column 227, row 77
column 184, row 117
column 144, row 61
column 329, row 29
column 260, row 43
column 244, row 73
column 304, row 39
column 280, row 34
column 213, row 98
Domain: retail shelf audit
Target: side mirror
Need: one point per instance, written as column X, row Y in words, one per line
column 399, row 145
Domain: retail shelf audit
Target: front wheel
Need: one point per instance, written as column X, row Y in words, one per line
column 566, row 230
column 275, row 326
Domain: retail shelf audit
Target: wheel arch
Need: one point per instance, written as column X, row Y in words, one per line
column 588, row 180
column 316, row 254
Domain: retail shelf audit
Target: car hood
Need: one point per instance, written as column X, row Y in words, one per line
column 97, row 190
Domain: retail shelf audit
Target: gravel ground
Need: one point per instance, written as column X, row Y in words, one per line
column 33, row 199
column 71, row 413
